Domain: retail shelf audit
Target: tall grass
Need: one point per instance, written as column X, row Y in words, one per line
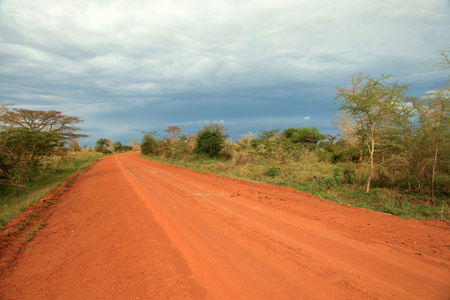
column 53, row 172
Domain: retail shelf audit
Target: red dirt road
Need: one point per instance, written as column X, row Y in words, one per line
column 130, row 228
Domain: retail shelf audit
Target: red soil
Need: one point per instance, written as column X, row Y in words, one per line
column 129, row 228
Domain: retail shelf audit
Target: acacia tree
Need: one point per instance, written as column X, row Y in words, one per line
column 433, row 113
column 443, row 62
column 349, row 97
column 49, row 121
column 438, row 113
column 3, row 110
column 374, row 103
column 26, row 136
column 172, row 133
column 348, row 131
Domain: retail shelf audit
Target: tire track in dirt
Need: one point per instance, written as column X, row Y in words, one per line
column 130, row 227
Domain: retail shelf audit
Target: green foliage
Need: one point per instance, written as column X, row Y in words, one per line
column 21, row 152
column 280, row 149
column 387, row 124
column 341, row 151
column 33, row 142
column 268, row 134
column 332, row 181
column 183, row 147
column 337, row 175
column 307, row 135
column 118, row 147
column 148, row 144
column 325, row 156
column 126, row 148
column 209, row 142
column 273, row 172
column 106, row 146
column 101, row 146
column 349, row 175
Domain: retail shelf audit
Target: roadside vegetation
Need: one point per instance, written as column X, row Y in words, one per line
column 392, row 153
column 38, row 151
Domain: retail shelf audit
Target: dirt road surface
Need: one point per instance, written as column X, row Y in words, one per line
column 130, row 228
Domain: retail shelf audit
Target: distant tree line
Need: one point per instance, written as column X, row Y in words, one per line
column 212, row 142
column 106, row 146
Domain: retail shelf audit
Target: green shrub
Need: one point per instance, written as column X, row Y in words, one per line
column 325, row 156
column 148, row 144
column 308, row 135
column 273, row 172
column 210, row 141
column 349, row 175
column 337, row 175
column 182, row 148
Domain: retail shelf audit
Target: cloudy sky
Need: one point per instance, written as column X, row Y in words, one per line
column 142, row 65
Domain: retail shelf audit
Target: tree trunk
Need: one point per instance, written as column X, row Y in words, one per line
column 371, row 150
column 359, row 161
column 434, row 170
